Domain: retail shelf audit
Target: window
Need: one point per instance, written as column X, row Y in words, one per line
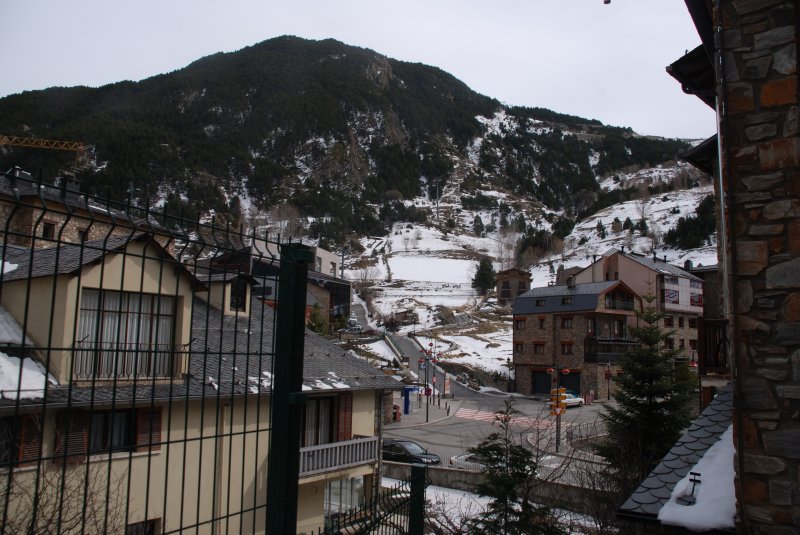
column 80, row 433
column 506, row 285
column 238, row 299
column 522, row 285
column 111, row 431
column 566, row 348
column 48, row 230
column 566, row 300
column 124, row 335
column 146, row 527
column 341, row 497
column 518, row 348
column 692, row 344
column 682, row 343
column 680, row 322
column 318, row 426
column 696, row 300
column 333, row 269
column 566, row 323
column 693, row 323
column 538, row 349
column 540, row 302
column 669, row 343
column 695, row 284
column 671, row 296
column 83, row 235
column 20, row 440
column 318, row 264
column 592, row 326
column 668, row 321
column 541, row 323
column 519, row 324
column 617, row 327
column 668, row 279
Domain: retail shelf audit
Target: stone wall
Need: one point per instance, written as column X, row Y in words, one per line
column 761, row 153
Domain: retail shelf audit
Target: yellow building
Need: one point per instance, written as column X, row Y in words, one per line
column 136, row 398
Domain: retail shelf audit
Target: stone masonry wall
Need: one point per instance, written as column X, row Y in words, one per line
column 761, row 151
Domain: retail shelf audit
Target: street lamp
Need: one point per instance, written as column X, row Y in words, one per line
column 608, row 379
column 510, row 366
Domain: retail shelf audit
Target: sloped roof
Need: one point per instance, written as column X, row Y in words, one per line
column 584, row 297
column 706, row 430
column 657, row 265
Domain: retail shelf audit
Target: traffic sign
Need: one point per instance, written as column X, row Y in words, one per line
column 434, row 379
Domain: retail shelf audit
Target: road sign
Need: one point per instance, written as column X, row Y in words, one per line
column 447, row 384
column 555, row 411
column 434, row 379
column 428, row 391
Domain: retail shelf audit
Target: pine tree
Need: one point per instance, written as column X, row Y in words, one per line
column 484, row 276
column 653, row 404
column 509, row 470
column 317, row 321
column 601, row 229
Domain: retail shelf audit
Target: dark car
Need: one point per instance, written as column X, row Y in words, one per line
column 406, row 451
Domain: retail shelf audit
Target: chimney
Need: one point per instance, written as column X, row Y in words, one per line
column 654, row 256
column 594, row 258
column 623, row 249
column 665, row 259
column 688, row 265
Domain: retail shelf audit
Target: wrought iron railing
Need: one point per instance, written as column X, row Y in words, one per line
column 111, row 360
column 607, row 349
column 338, row 455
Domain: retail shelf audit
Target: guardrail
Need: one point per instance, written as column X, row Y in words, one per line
column 338, row 455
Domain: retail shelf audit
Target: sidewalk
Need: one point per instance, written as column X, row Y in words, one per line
column 436, row 412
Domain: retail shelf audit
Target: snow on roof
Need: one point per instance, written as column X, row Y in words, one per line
column 25, row 379
column 714, row 504
column 10, row 331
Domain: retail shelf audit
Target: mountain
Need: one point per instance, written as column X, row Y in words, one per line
column 345, row 135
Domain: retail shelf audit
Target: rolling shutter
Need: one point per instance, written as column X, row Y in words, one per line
column 30, row 440
column 345, row 417
column 72, row 430
column 148, row 429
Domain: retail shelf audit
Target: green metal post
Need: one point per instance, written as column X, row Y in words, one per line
column 416, row 513
column 287, row 403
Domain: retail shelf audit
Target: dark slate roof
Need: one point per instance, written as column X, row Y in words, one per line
column 584, row 297
column 704, row 432
column 69, row 258
column 659, row 265
column 232, row 356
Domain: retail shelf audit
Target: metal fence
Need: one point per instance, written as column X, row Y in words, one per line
column 146, row 389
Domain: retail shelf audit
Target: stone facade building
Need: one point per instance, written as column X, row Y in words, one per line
column 677, row 293
column 582, row 329
column 511, row 283
column 746, row 69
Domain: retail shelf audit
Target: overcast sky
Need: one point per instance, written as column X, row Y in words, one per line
column 573, row 56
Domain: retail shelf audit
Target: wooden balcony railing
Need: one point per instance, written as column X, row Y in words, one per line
column 338, row 455
column 616, row 304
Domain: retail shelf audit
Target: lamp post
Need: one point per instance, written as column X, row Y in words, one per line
column 608, row 379
column 510, row 366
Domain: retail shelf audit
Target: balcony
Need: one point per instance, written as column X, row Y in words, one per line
column 117, row 360
column 616, row 304
column 338, row 455
column 601, row 350
column 712, row 347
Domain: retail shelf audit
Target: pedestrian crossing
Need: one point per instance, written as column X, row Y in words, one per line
column 519, row 420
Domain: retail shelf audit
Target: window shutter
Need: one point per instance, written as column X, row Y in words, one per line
column 30, row 440
column 345, row 419
column 72, row 429
column 148, row 429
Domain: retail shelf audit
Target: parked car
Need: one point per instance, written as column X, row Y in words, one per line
column 407, row 451
column 573, row 401
column 468, row 461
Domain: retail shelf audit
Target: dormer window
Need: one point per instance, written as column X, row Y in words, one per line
column 238, row 298
column 124, row 335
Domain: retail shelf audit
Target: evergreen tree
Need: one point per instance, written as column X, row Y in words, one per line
column 317, row 321
column 477, row 225
column 653, row 403
column 484, row 276
column 601, row 229
column 509, row 470
column 628, row 224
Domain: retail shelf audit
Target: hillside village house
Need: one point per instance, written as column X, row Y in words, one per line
column 148, row 390
column 678, row 293
column 572, row 335
column 44, row 215
column 511, row 283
